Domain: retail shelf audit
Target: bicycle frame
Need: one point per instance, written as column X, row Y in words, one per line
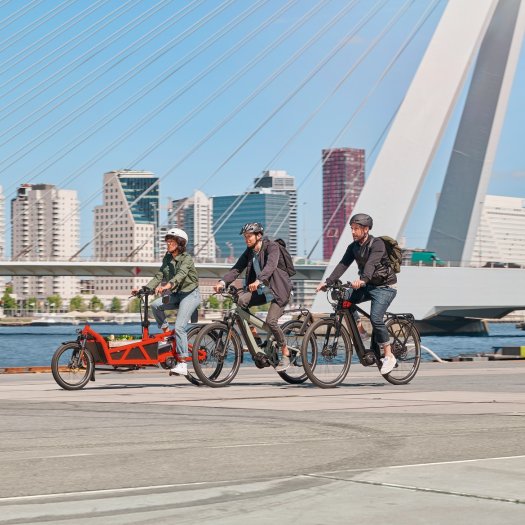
column 345, row 311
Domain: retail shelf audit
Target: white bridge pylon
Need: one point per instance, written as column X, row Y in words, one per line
column 394, row 183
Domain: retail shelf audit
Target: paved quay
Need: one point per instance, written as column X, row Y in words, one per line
column 142, row 447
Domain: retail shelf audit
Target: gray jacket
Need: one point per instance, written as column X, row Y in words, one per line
column 277, row 280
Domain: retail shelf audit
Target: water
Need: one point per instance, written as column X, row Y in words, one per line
column 35, row 345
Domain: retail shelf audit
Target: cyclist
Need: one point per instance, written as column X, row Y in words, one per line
column 178, row 284
column 264, row 282
column 376, row 281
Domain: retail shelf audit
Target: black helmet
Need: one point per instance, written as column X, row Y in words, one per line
column 362, row 219
column 252, row 227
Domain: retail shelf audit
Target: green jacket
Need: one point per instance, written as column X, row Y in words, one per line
column 179, row 271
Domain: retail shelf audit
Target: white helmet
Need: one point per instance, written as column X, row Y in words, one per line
column 176, row 232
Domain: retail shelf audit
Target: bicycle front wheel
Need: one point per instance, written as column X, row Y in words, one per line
column 192, row 377
column 216, row 354
column 326, row 353
column 406, row 347
column 71, row 366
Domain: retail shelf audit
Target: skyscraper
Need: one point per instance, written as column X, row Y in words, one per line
column 279, row 182
column 194, row 215
column 126, row 226
column 229, row 215
column 45, row 227
column 501, row 232
column 343, row 180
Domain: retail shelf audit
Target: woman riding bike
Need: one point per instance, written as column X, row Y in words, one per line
column 178, row 284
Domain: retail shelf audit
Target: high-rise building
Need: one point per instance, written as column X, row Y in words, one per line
column 194, row 215
column 230, row 214
column 501, row 232
column 126, row 226
column 279, row 182
column 343, row 180
column 45, row 227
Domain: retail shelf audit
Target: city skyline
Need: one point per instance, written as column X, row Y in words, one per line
column 254, row 139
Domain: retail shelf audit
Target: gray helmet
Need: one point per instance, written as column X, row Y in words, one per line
column 252, row 227
column 362, row 219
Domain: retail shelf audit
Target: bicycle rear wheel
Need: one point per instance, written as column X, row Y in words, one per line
column 71, row 367
column 326, row 353
column 295, row 373
column 216, row 354
column 406, row 347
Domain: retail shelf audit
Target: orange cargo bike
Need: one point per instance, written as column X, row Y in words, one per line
column 74, row 363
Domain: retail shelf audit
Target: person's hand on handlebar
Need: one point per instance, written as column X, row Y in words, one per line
column 321, row 287
column 162, row 288
column 219, row 287
column 357, row 284
column 252, row 287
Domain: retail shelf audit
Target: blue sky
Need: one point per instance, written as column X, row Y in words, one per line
column 206, row 93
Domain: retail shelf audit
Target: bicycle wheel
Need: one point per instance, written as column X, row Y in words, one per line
column 406, row 347
column 71, row 368
column 295, row 374
column 192, row 377
column 326, row 354
column 216, row 354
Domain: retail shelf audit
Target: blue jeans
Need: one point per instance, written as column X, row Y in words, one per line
column 186, row 302
column 380, row 297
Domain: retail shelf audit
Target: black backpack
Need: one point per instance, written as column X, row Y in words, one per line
column 285, row 260
column 393, row 251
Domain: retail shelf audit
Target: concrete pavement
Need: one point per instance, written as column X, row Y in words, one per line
column 142, row 447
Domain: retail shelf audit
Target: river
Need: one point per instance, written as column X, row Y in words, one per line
column 34, row 345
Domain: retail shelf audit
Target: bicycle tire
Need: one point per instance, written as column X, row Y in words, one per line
column 406, row 347
column 215, row 364
column 326, row 358
column 72, row 374
column 295, row 374
column 192, row 377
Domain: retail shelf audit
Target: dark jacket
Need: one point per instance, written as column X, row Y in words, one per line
column 179, row 271
column 372, row 262
column 277, row 280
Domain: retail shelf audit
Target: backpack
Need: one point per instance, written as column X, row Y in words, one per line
column 285, row 260
column 393, row 252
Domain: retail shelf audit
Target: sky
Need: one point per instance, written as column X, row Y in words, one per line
column 207, row 94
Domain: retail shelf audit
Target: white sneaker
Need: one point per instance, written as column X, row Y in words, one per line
column 388, row 364
column 180, row 369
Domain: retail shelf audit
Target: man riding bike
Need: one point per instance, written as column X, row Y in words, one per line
column 376, row 281
column 264, row 282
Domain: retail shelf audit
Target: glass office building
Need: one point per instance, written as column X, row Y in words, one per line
column 231, row 212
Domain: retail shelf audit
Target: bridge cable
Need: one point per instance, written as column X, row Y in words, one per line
column 211, row 40
column 35, row 45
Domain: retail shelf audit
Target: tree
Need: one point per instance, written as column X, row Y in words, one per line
column 116, row 305
column 134, row 306
column 77, row 303
column 96, row 304
column 227, row 303
column 54, row 301
column 30, row 303
column 213, row 302
column 7, row 301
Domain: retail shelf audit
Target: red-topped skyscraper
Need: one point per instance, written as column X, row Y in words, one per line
column 343, row 180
